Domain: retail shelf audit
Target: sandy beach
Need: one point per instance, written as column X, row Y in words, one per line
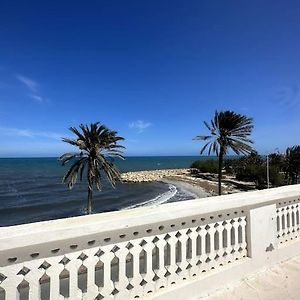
column 193, row 189
column 200, row 185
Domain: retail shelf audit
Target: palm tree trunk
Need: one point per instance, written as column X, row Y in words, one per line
column 220, row 170
column 89, row 202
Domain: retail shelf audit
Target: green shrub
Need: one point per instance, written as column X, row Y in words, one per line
column 253, row 173
column 231, row 165
column 206, row 166
column 276, row 177
column 258, row 174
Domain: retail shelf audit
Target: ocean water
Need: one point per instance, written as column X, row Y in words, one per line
column 31, row 189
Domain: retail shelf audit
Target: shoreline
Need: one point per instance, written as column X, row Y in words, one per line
column 194, row 190
column 201, row 185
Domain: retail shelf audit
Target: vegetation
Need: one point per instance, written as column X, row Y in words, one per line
column 97, row 145
column 228, row 131
column 291, row 164
column 206, row 166
column 253, row 168
column 283, row 168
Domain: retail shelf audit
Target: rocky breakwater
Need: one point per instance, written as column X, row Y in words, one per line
column 153, row 175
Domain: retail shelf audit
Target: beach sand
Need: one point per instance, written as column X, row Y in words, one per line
column 194, row 189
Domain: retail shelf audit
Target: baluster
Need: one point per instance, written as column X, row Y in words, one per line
column 203, row 256
column 283, row 222
column 12, row 280
column 123, row 282
column 53, row 271
column 90, row 263
column 211, row 254
column 297, row 219
column 293, row 222
column 289, row 222
column 243, row 243
column 136, row 277
column 194, row 259
column 218, row 256
column 72, row 266
column 33, row 277
column 184, row 263
column 228, row 249
column 279, row 224
column 108, row 285
column 173, row 277
column 161, row 280
column 222, row 249
column 236, row 246
column 148, row 277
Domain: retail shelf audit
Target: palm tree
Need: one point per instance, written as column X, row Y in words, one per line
column 228, row 130
column 98, row 146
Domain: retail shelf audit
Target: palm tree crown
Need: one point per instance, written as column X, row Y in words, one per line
column 228, row 130
column 97, row 145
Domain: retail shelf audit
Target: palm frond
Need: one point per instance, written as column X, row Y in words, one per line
column 98, row 147
column 65, row 158
column 202, row 137
column 228, row 130
column 70, row 177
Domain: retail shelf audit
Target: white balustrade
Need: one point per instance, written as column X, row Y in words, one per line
column 143, row 252
column 288, row 222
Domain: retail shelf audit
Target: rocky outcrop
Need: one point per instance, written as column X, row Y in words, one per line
column 153, row 175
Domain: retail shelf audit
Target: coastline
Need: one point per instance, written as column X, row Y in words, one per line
column 201, row 185
column 178, row 189
column 194, row 190
column 25, row 194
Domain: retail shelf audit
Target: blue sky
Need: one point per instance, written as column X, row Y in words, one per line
column 153, row 70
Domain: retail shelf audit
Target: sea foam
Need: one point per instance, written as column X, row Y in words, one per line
column 160, row 199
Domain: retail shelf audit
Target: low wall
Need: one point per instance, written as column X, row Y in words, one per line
column 182, row 250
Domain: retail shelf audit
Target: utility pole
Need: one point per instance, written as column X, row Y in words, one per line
column 268, row 172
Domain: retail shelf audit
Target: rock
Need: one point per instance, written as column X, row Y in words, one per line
column 153, row 175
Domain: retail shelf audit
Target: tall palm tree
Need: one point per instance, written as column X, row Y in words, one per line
column 228, row 130
column 98, row 146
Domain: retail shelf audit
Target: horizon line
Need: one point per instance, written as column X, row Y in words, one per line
column 32, row 157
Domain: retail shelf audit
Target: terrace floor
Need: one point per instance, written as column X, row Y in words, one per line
column 281, row 282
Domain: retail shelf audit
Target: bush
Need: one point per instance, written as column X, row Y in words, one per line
column 276, row 178
column 253, row 173
column 257, row 174
column 206, row 166
column 231, row 165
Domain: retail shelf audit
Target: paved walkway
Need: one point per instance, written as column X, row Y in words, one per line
column 281, row 282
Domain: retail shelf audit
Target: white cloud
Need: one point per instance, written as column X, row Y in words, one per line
column 37, row 98
column 8, row 131
column 33, row 88
column 28, row 82
column 140, row 125
column 289, row 96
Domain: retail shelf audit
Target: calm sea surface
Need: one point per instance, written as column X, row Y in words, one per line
column 31, row 189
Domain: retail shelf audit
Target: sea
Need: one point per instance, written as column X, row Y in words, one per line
column 31, row 189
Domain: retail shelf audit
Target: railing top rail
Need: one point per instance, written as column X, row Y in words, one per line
column 69, row 228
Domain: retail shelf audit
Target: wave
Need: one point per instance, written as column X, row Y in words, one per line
column 160, row 199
